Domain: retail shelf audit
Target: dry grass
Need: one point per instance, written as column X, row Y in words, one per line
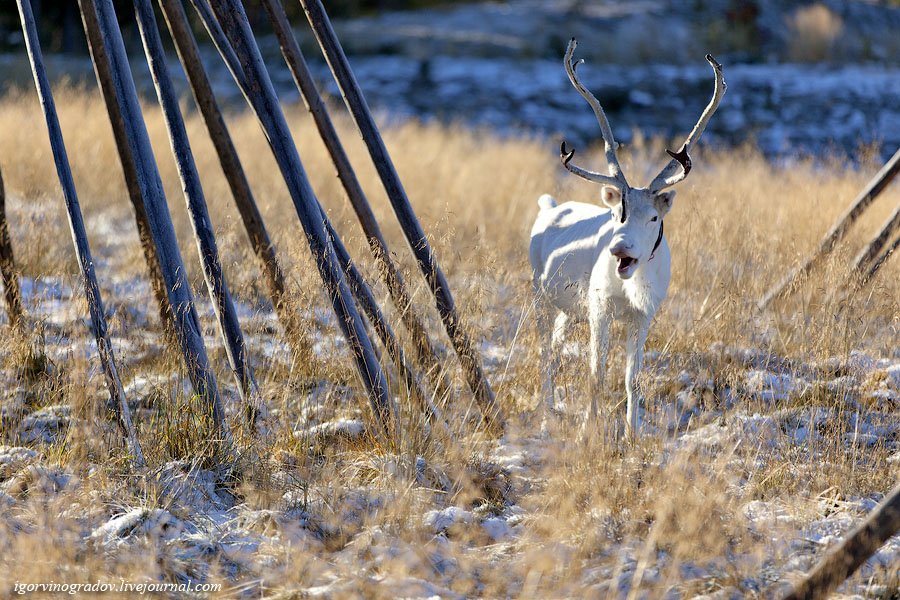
column 672, row 514
column 813, row 32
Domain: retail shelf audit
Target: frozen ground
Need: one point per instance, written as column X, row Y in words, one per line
column 753, row 462
column 198, row 530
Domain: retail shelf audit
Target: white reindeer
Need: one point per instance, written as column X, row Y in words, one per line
column 599, row 263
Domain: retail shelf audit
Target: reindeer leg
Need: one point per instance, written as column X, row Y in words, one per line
column 560, row 328
column 545, row 331
column 600, row 319
column 637, row 336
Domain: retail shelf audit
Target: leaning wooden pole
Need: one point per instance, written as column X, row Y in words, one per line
column 864, row 259
column 837, row 233
column 260, row 242
column 79, row 235
column 424, row 351
column 127, row 109
column 260, row 94
column 12, row 292
column 223, row 306
column 864, row 541
column 881, row 260
column 366, row 299
column 412, row 229
column 357, row 283
column 106, row 83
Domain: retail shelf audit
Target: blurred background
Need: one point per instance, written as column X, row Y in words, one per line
column 812, row 78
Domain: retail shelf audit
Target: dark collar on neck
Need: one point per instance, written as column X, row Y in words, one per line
column 658, row 241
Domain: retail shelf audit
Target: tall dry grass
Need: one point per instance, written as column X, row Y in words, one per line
column 598, row 517
column 814, row 29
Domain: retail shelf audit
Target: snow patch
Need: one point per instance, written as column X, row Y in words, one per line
column 347, row 430
column 46, row 425
column 497, row 528
column 14, row 459
column 154, row 522
column 440, row 521
column 773, row 387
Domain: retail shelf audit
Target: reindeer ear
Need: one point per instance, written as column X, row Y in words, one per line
column 610, row 196
column 663, row 202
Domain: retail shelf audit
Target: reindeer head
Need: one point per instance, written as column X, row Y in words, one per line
column 638, row 212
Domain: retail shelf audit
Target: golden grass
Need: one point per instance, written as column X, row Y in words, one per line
column 596, row 516
column 813, row 32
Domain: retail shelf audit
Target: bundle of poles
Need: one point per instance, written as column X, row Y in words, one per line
column 870, row 259
column 351, row 296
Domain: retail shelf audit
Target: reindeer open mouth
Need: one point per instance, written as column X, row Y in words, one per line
column 625, row 264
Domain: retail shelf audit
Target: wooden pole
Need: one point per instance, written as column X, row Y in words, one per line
column 229, row 326
column 231, row 164
column 188, row 53
column 358, row 286
column 366, row 299
column 390, row 274
column 79, row 235
column 839, row 564
column 260, row 94
column 186, row 324
column 870, row 252
column 105, row 81
column 11, row 290
column 883, row 258
column 415, row 236
column 839, row 230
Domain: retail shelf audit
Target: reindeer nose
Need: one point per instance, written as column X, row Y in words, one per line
column 621, row 250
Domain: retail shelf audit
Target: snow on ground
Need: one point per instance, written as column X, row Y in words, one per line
column 197, row 527
column 397, row 520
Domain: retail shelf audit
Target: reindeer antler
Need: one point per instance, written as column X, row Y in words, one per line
column 616, row 177
column 565, row 156
column 680, row 165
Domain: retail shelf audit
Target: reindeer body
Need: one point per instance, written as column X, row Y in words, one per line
column 603, row 264
column 577, row 277
column 570, row 256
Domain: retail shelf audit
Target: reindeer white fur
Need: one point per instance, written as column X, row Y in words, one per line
column 599, row 263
